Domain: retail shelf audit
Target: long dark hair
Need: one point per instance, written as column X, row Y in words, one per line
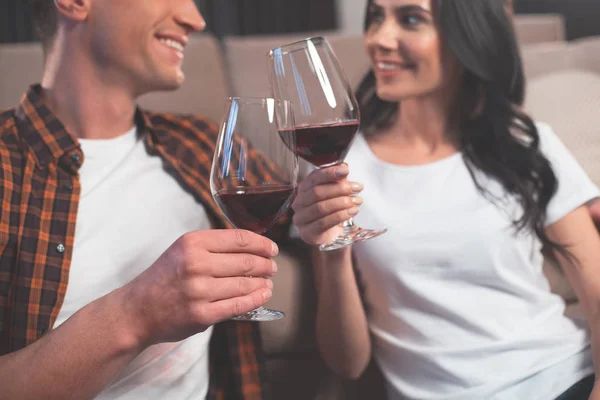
column 495, row 136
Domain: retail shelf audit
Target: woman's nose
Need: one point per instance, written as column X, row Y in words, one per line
column 387, row 35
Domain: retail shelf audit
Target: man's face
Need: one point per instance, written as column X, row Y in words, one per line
column 141, row 42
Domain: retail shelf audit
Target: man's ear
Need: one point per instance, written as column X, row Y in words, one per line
column 75, row 10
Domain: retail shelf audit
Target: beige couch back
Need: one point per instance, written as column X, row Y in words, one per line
column 546, row 58
column 569, row 101
column 244, row 74
column 206, row 82
column 20, row 66
column 247, row 59
column 540, row 28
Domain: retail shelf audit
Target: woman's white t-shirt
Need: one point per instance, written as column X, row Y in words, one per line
column 457, row 303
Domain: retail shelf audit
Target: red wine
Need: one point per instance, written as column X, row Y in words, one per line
column 255, row 208
column 323, row 145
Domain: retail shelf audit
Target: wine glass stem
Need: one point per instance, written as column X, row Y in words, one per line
column 349, row 224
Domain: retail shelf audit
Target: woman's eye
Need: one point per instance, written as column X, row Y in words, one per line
column 410, row 20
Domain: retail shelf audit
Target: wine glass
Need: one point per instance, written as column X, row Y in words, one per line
column 308, row 74
column 254, row 173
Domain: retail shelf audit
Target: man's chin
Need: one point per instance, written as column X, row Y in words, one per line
column 167, row 85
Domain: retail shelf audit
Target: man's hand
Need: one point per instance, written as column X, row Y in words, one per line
column 205, row 277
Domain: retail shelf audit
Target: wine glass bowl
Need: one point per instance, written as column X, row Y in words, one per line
column 254, row 173
column 308, row 75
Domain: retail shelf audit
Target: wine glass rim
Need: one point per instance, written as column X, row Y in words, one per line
column 295, row 46
column 256, row 99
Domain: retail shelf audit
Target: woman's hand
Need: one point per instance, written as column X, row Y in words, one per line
column 325, row 199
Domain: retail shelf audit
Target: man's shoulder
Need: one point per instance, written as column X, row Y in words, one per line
column 12, row 150
column 187, row 125
column 8, row 129
column 7, row 120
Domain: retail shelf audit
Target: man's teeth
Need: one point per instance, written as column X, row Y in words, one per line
column 173, row 44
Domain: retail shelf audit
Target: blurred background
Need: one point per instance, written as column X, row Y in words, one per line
column 252, row 17
column 560, row 45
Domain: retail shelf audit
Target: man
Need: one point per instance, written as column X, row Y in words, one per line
column 110, row 277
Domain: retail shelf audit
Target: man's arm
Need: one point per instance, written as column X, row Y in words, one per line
column 76, row 360
column 199, row 281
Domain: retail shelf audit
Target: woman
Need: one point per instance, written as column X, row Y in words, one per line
column 454, row 304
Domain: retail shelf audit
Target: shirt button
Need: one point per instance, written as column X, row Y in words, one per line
column 75, row 157
column 68, row 186
column 60, row 248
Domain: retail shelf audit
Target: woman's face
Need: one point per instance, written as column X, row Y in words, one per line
column 406, row 52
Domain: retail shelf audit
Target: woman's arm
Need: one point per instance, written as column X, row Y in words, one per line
column 594, row 207
column 578, row 233
column 325, row 199
column 342, row 332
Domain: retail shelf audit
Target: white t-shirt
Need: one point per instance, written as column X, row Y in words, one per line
column 130, row 212
column 457, row 303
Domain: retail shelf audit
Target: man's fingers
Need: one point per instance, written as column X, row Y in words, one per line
column 231, row 241
column 228, row 288
column 226, row 309
column 235, row 265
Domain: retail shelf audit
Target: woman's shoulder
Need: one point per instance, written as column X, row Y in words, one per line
column 549, row 140
column 544, row 129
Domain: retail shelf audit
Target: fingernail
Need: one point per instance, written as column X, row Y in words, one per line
column 269, row 284
column 341, row 171
column 274, row 249
column 353, row 211
column 357, row 200
column 357, row 187
column 274, row 267
column 267, row 295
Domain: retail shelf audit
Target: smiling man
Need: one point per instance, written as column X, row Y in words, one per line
column 113, row 283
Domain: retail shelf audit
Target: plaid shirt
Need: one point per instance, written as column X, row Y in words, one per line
column 40, row 194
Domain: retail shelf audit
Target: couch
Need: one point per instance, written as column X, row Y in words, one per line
column 564, row 90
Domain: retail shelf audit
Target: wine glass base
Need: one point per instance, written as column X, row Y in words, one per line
column 352, row 236
column 260, row 314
